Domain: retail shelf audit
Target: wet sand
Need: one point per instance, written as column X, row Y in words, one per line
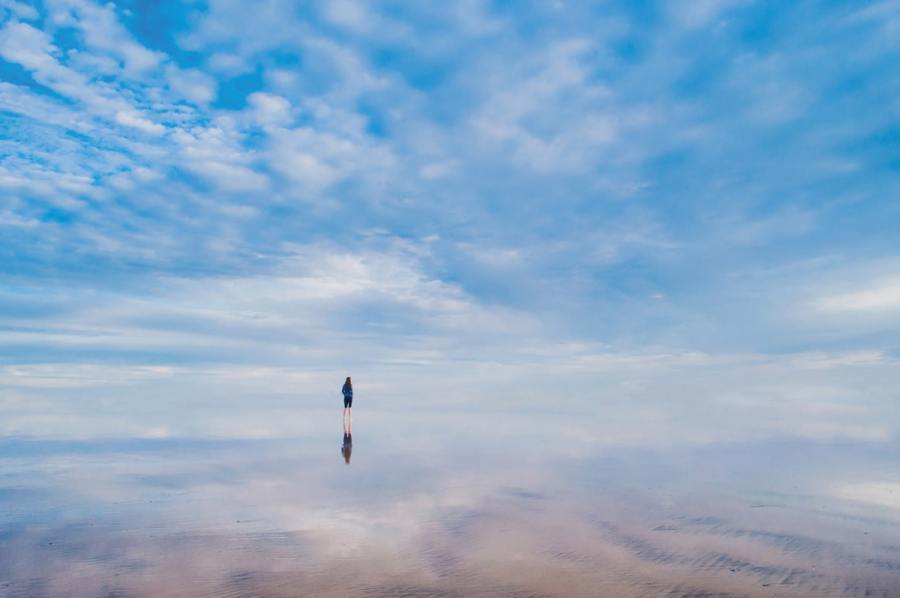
column 291, row 518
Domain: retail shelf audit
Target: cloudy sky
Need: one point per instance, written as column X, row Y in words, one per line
column 301, row 187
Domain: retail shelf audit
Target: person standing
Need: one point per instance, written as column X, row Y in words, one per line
column 347, row 391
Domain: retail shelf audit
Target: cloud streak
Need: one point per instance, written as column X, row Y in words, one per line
column 883, row 297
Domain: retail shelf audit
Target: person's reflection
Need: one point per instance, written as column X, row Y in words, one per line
column 347, row 447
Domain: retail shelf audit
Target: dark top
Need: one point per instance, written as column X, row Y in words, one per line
column 347, row 390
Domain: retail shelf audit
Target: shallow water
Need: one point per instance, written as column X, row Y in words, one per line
column 439, row 503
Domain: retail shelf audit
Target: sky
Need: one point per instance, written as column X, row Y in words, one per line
column 624, row 201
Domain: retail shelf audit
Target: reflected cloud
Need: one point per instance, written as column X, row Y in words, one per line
column 601, row 399
column 229, row 518
column 881, row 493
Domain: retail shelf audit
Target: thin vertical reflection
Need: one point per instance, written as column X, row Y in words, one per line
column 347, row 446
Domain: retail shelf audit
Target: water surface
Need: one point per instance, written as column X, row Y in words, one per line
column 444, row 503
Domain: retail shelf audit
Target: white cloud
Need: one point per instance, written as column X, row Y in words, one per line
column 437, row 170
column 317, row 281
column 133, row 178
column 699, row 13
column 191, row 84
column 131, row 119
column 230, row 64
column 54, row 187
column 32, row 48
column 40, row 109
column 513, row 121
column 303, row 167
column 270, row 109
column 515, row 115
column 882, row 297
column 784, row 222
column 23, row 44
column 348, row 13
column 20, row 9
column 474, row 18
column 103, row 31
column 327, row 297
column 313, row 158
column 356, row 76
column 229, row 177
column 216, row 154
column 10, row 216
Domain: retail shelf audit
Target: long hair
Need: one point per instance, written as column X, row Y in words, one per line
column 347, row 383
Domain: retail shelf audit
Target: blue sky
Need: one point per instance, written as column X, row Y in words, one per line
column 367, row 185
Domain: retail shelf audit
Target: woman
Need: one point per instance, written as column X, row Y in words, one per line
column 347, row 391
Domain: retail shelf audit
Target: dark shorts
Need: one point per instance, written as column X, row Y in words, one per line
column 348, row 402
